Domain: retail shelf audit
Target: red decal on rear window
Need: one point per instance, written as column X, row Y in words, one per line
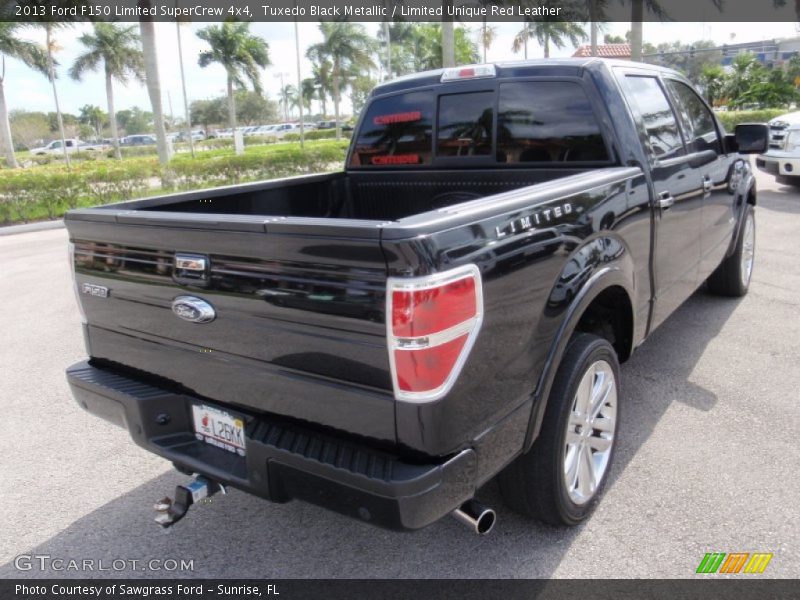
column 403, row 117
column 396, row 159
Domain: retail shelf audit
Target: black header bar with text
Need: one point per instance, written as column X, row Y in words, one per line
column 388, row 10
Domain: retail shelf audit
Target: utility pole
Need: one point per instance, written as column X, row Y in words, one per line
column 299, row 82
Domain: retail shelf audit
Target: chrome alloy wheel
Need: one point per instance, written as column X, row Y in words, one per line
column 748, row 249
column 590, row 432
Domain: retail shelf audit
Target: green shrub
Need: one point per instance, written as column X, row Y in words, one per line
column 48, row 190
column 316, row 134
column 732, row 118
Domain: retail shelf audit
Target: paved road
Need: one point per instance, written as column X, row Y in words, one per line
column 707, row 462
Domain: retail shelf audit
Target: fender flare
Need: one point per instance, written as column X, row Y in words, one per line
column 605, row 278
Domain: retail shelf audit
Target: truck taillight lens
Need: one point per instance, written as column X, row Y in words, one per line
column 432, row 323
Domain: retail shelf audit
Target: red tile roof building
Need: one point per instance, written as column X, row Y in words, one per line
column 606, row 50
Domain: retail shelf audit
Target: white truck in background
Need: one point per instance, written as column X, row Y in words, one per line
column 71, row 144
column 782, row 157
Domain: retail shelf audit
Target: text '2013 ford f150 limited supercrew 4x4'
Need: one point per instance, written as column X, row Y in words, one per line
column 450, row 308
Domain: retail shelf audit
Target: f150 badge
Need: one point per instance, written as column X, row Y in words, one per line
column 192, row 309
column 542, row 217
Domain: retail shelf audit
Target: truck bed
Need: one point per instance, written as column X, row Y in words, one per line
column 380, row 196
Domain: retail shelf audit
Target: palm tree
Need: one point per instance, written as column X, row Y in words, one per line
column 546, row 32
column 117, row 49
column 287, row 96
column 308, row 89
column 35, row 57
column 186, row 112
column 321, row 73
column 637, row 14
column 148, row 34
column 487, row 35
column 348, row 47
column 240, row 53
column 51, row 47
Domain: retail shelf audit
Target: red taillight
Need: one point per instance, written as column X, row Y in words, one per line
column 432, row 323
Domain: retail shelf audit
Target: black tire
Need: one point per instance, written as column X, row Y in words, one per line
column 732, row 278
column 535, row 483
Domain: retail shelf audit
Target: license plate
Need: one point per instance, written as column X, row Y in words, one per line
column 218, row 428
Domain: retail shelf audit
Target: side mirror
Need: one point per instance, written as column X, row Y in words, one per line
column 751, row 138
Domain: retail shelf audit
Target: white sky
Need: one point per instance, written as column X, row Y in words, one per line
column 28, row 90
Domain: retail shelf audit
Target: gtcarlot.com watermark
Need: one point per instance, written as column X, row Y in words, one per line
column 46, row 562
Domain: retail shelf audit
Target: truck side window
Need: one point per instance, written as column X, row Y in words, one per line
column 397, row 130
column 465, row 124
column 698, row 122
column 663, row 138
column 547, row 121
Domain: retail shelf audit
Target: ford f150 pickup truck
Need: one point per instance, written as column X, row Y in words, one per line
column 451, row 307
column 782, row 157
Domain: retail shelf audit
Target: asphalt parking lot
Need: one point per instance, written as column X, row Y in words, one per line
column 706, row 462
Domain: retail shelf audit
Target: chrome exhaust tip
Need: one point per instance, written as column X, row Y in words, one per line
column 477, row 517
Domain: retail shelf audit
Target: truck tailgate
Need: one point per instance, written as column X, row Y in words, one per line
column 299, row 312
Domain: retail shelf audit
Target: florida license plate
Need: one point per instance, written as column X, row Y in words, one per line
column 218, row 428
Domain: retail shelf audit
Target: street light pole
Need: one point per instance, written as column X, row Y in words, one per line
column 299, row 81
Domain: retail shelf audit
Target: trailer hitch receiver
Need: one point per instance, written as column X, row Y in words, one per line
column 171, row 511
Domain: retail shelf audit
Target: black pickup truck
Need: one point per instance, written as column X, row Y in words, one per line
column 450, row 308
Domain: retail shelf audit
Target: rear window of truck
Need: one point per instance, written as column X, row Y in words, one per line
column 537, row 123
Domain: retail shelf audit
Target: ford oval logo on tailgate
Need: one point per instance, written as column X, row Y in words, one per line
column 193, row 309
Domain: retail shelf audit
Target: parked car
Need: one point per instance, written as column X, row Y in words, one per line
column 782, row 158
column 182, row 136
column 265, row 129
column 222, row 133
column 281, row 130
column 55, row 147
column 450, row 308
column 332, row 125
column 138, row 140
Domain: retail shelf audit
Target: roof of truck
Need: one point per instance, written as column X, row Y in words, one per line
column 564, row 66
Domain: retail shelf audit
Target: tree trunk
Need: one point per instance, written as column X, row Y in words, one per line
column 187, row 115
column 483, row 39
column 593, row 26
column 231, row 106
column 148, row 35
column 448, row 37
column 526, row 40
column 112, row 115
column 387, row 34
column 51, row 74
column 637, row 13
column 324, row 101
column 546, row 46
column 336, row 99
column 5, row 126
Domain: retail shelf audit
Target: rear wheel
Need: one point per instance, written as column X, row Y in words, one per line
column 732, row 277
column 560, row 477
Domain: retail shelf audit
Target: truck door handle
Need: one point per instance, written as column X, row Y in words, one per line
column 665, row 200
column 707, row 185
